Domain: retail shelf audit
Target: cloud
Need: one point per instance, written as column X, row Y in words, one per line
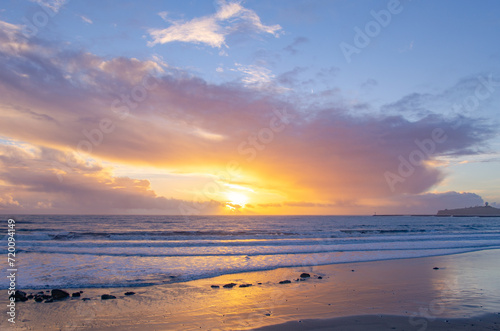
column 425, row 203
column 430, row 203
column 290, row 78
column 369, row 83
column 212, row 30
column 29, row 186
column 86, row 19
column 54, row 5
column 254, row 75
column 469, row 97
column 164, row 16
column 160, row 116
column 296, row 42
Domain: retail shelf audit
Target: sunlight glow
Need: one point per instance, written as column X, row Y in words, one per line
column 237, row 198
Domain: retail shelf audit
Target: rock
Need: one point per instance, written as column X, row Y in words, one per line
column 231, row 285
column 85, row 299
column 129, row 293
column 435, row 268
column 215, row 286
column 107, row 297
column 268, row 314
column 245, row 285
column 30, row 296
column 40, row 297
column 304, row 275
column 352, row 270
column 259, row 283
column 285, row 282
column 81, row 291
column 319, row 277
column 59, row 294
column 19, row 296
column 75, row 295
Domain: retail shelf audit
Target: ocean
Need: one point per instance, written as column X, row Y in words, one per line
column 127, row 251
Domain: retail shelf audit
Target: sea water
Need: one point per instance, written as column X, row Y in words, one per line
column 114, row 251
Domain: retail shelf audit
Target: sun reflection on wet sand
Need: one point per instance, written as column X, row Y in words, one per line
column 463, row 285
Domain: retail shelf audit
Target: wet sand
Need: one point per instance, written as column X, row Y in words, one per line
column 388, row 322
column 408, row 293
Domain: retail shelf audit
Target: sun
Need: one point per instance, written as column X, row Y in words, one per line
column 237, row 198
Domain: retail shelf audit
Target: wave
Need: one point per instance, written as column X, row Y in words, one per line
column 87, row 251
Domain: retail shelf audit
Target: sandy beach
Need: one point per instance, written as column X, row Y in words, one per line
column 453, row 292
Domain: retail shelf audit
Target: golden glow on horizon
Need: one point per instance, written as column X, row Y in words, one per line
column 237, row 199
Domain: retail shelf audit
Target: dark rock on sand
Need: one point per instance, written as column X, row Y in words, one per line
column 319, row 277
column 59, row 294
column 231, row 285
column 245, row 285
column 129, row 293
column 107, row 297
column 215, row 286
column 435, row 268
column 19, row 296
column 259, row 283
column 285, row 282
column 85, row 299
column 40, row 296
column 30, row 296
column 304, row 275
column 75, row 295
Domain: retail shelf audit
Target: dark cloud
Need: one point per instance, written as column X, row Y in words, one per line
column 292, row 48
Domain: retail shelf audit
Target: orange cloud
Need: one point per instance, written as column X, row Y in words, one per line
column 74, row 106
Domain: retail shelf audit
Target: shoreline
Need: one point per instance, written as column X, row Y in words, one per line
column 463, row 286
column 456, row 251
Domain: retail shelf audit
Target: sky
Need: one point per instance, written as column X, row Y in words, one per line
column 248, row 107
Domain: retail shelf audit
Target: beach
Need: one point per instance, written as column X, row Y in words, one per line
column 450, row 292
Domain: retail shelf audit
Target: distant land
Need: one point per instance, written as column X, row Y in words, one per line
column 477, row 211
column 481, row 211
